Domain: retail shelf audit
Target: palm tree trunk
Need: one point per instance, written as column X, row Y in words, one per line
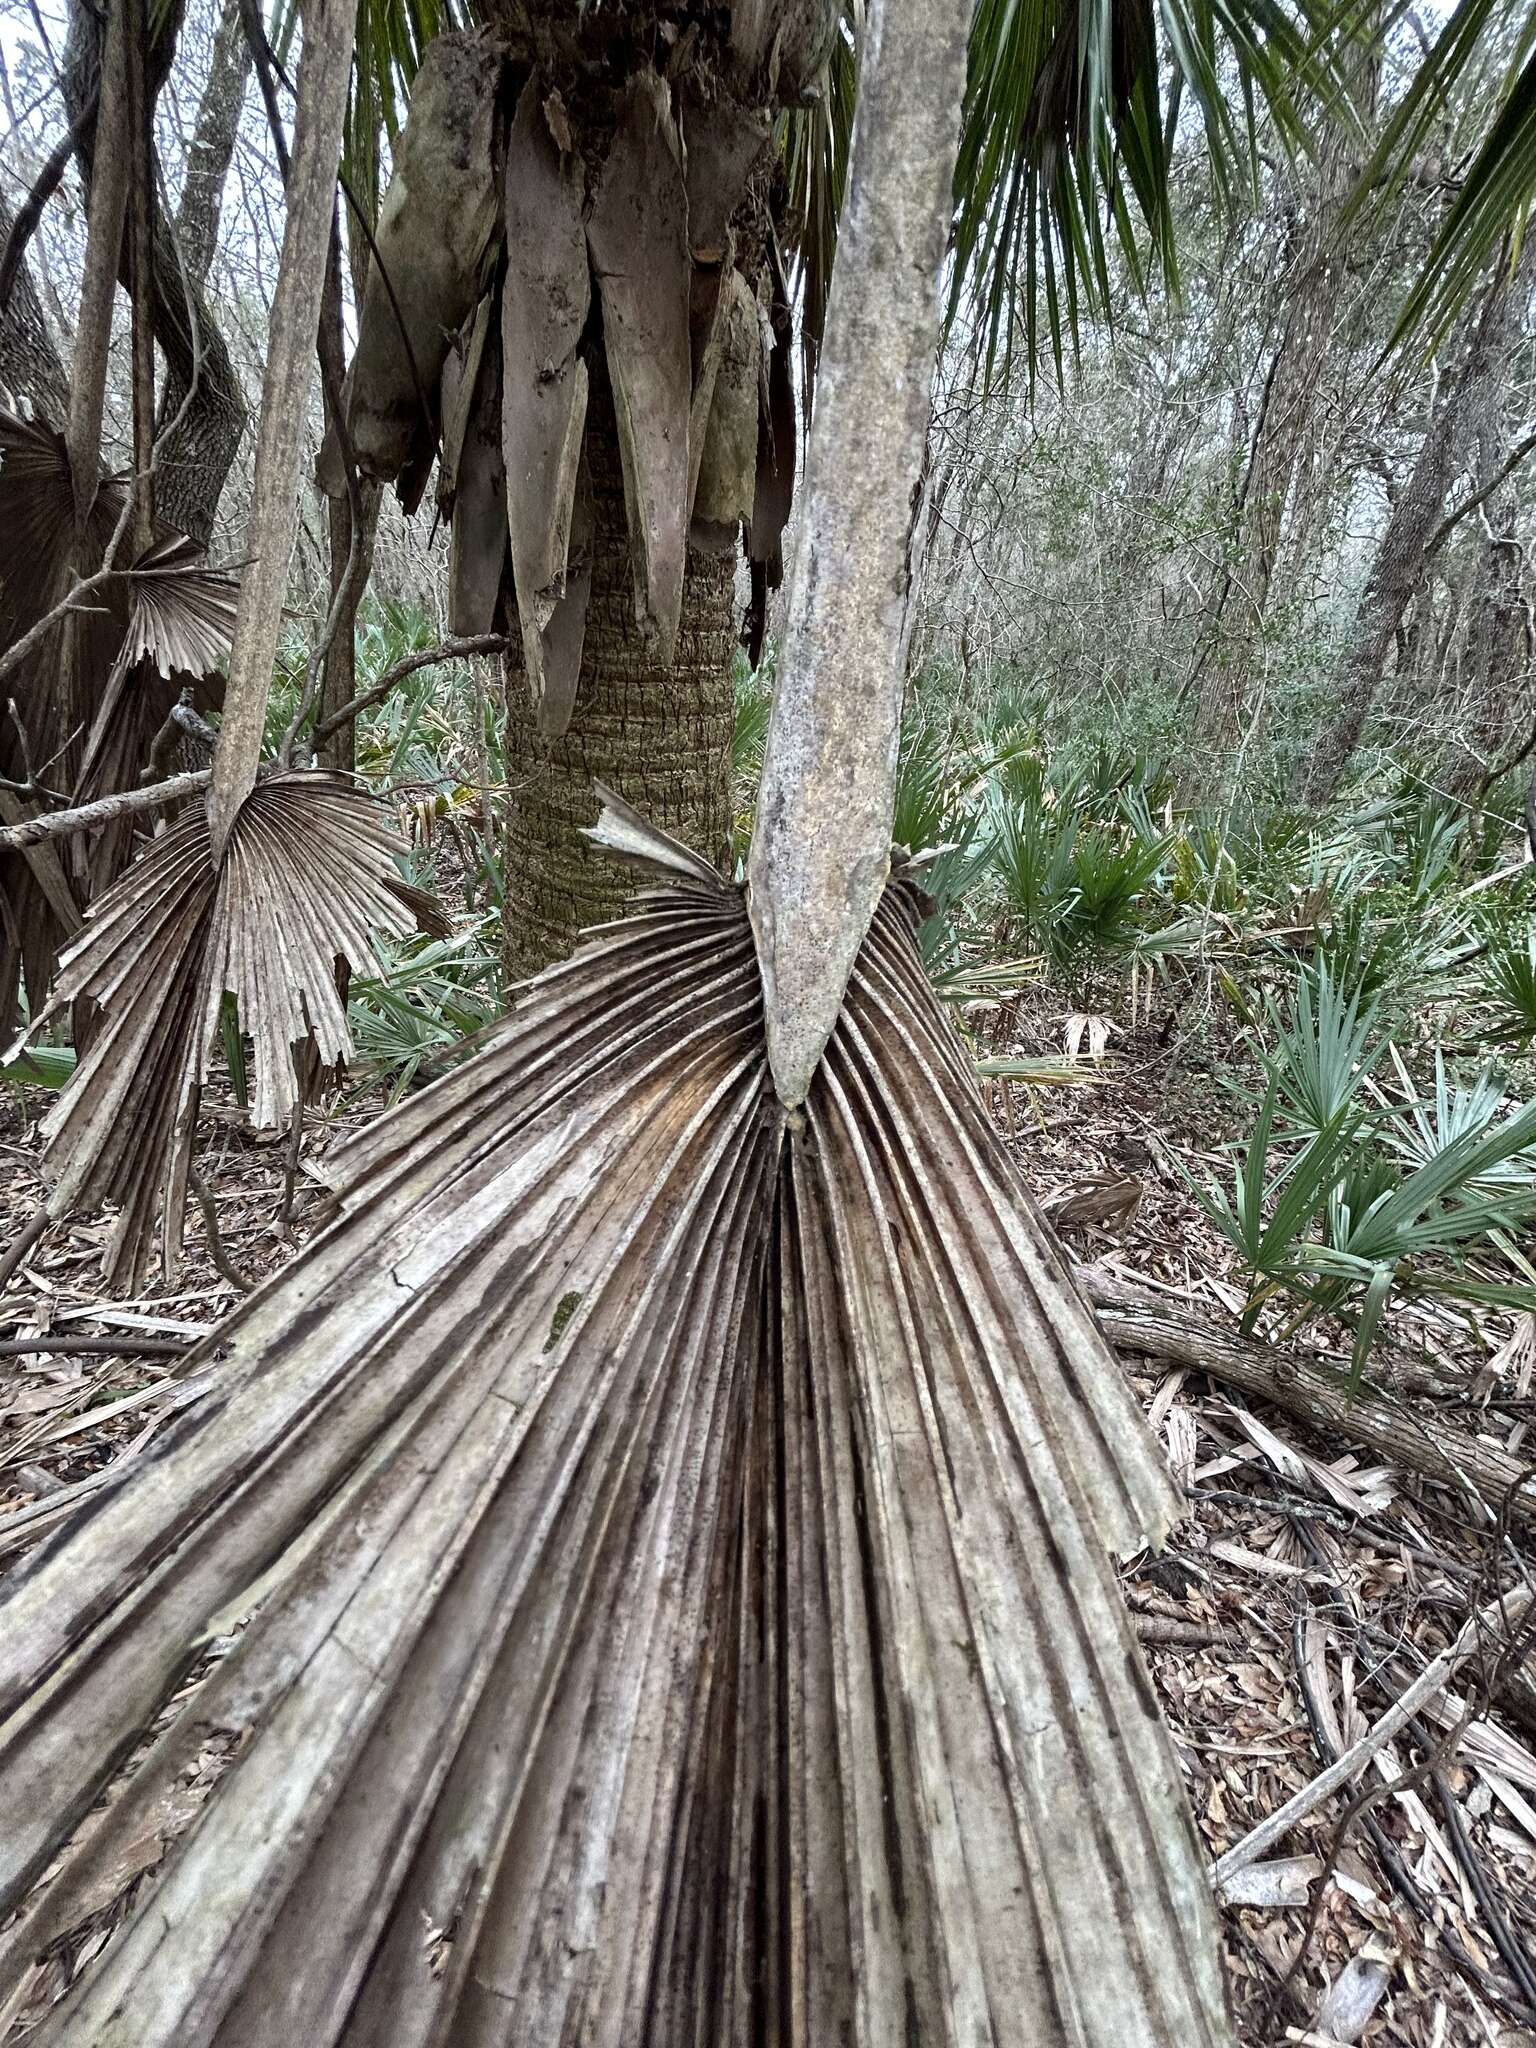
column 660, row 736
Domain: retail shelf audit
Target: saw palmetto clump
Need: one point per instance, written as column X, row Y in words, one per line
column 685, row 1527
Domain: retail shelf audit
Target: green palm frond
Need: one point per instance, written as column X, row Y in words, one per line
column 1071, row 112
column 391, row 37
column 1497, row 186
column 1069, row 136
column 815, row 142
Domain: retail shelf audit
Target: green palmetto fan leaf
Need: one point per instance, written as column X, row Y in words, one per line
column 680, row 1537
column 1069, row 136
column 1067, row 144
column 1499, row 182
column 308, row 874
column 392, row 37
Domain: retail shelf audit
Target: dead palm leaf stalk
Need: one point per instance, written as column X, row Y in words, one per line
column 672, row 1524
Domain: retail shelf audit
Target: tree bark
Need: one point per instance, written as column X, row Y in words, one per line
column 212, row 148
column 29, row 362
column 1306, row 294
column 195, row 458
column 659, row 736
column 1403, row 555
column 325, row 67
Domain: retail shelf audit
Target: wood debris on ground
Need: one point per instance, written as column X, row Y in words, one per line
column 1306, row 1589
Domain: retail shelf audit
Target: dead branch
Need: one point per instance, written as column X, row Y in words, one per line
column 1138, row 1321
column 427, row 657
column 1507, row 1612
column 117, row 1344
column 86, row 817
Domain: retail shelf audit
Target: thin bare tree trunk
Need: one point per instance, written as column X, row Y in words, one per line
column 1307, row 293
column 1402, row 557
column 822, row 841
column 351, row 527
column 194, row 459
column 212, row 148
column 324, row 70
column 98, row 286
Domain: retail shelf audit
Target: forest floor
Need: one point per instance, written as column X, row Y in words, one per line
column 1304, row 1590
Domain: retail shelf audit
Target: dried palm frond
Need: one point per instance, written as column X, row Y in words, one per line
column 544, row 397
column 308, row 873
column 676, row 1530
column 637, row 232
column 181, row 619
column 433, row 233
column 605, row 225
column 89, row 698
column 725, row 478
column 472, row 477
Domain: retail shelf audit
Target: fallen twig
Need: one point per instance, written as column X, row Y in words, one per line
column 1509, row 1610
column 119, row 1344
column 223, row 1263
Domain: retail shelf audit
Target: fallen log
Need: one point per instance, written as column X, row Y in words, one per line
column 1136, row 1320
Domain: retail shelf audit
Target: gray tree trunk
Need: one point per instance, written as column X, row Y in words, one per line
column 212, row 148
column 1403, row 555
column 29, row 363
column 195, row 458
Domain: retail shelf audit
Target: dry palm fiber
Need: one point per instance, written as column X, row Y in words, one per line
column 682, row 1534
column 308, row 873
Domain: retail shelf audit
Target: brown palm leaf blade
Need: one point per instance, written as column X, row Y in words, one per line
column 180, row 622
column 435, row 225
column 676, row 1533
column 637, row 232
column 544, row 307
column 308, row 874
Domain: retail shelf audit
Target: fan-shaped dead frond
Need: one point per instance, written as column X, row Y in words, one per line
column 91, row 696
column 309, row 872
column 42, row 558
column 181, row 617
column 434, row 229
column 182, row 614
column 638, row 235
column 686, row 1616
column 544, row 398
